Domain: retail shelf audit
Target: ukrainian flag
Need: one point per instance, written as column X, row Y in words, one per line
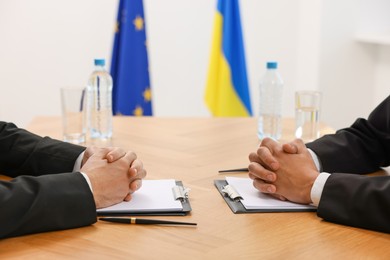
column 227, row 92
column 129, row 66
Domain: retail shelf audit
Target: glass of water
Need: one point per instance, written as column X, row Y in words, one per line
column 307, row 114
column 73, row 114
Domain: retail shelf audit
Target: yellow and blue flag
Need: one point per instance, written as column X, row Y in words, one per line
column 129, row 66
column 227, row 91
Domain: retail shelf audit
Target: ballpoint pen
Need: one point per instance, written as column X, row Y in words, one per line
column 235, row 170
column 146, row 221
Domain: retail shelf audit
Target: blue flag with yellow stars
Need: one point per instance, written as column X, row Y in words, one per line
column 129, row 66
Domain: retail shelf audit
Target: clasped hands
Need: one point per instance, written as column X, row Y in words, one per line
column 285, row 171
column 114, row 174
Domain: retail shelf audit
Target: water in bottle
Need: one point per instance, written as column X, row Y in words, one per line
column 99, row 91
column 271, row 93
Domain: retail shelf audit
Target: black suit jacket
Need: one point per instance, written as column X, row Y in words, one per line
column 348, row 197
column 44, row 195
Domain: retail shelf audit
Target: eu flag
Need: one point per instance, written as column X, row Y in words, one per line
column 227, row 92
column 129, row 66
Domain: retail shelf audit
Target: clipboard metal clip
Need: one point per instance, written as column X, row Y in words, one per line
column 180, row 193
column 231, row 192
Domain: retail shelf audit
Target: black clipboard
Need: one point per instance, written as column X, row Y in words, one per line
column 237, row 207
column 182, row 195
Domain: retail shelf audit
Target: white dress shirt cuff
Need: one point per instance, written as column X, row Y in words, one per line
column 88, row 181
column 77, row 164
column 315, row 159
column 318, row 187
column 319, row 183
column 77, row 167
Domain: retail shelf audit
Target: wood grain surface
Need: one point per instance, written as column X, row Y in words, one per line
column 193, row 150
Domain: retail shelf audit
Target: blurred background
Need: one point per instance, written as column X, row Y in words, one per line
column 341, row 48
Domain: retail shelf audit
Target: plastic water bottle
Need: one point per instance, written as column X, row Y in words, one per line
column 99, row 109
column 270, row 114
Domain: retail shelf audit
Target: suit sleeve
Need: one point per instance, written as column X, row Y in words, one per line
column 44, row 194
column 356, row 200
column 353, row 199
column 30, row 204
column 24, row 153
column 362, row 148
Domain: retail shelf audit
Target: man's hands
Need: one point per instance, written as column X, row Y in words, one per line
column 285, row 171
column 114, row 174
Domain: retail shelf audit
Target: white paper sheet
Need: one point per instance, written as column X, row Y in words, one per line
column 254, row 199
column 154, row 195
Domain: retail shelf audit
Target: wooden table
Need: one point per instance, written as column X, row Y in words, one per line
column 193, row 150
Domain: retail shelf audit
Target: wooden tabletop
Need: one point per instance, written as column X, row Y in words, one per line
column 193, row 150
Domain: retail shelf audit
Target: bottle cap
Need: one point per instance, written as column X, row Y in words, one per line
column 272, row 65
column 100, row 62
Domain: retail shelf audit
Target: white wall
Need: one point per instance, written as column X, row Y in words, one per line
column 347, row 68
column 351, row 70
column 382, row 73
column 46, row 44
